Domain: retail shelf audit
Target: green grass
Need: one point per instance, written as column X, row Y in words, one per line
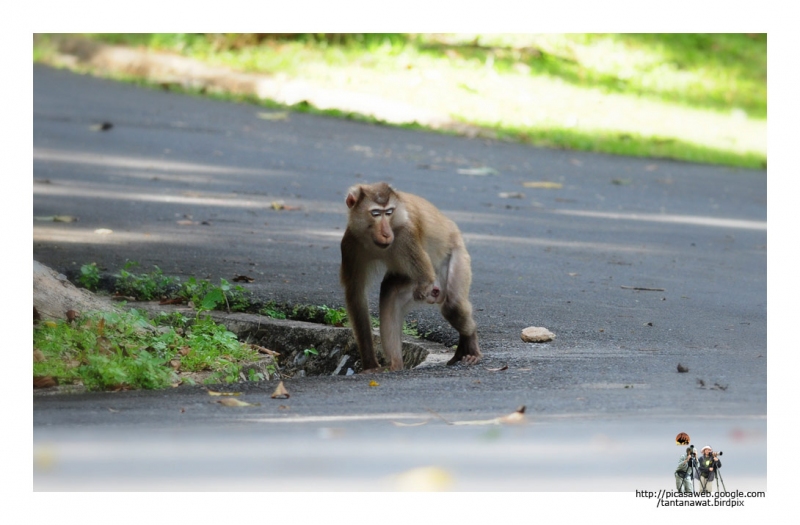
column 684, row 96
column 111, row 351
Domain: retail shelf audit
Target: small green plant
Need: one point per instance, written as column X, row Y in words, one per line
column 411, row 328
column 335, row 316
column 272, row 310
column 207, row 296
column 145, row 286
column 252, row 375
column 308, row 352
column 320, row 314
column 90, row 276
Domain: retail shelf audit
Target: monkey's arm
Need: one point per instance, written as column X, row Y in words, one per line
column 418, row 268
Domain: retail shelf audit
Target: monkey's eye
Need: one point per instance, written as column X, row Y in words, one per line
column 376, row 213
column 389, row 211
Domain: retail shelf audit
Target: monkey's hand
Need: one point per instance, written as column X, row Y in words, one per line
column 427, row 291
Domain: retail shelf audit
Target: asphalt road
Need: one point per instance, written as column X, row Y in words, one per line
column 558, row 258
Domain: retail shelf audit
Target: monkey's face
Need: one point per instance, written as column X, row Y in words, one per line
column 382, row 234
column 373, row 211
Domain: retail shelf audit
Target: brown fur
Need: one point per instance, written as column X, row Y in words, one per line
column 425, row 260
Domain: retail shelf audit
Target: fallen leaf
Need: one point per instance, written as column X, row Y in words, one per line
column 231, row 402
column 279, row 205
column 44, row 381
column 504, row 367
column 280, row 392
column 401, row 424
column 478, row 172
column 374, row 383
column 38, row 356
column 277, row 115
column 175, row 300
column 185, row 350
column 103, row 126
column 72, row 315
column 56, row 218
column 543, row 185
column 262, row 350
column 511, row 195
column 424, row 479
column 212, row 393
column 243, row 279
column 517, row 416
column 175, row 363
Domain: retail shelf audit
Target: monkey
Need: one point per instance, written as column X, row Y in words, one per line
column 424, row 260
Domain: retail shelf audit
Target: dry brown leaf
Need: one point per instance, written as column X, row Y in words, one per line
column 44, row 381
column 57, row 218
column 424, row 479
column 276, row 115
column 511, row 195
column 72, row 315
column 504, row 367
column 517, row 416
column 212, row 393
column 243, row 279
column 38, row 356
column 263, row 350
column 231, row 402
column 175, row 363
column 280, row 392
column 279, row 205
column 185, row 350
column 543, row 185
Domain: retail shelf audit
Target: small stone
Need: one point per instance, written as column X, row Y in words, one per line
column 537, row 334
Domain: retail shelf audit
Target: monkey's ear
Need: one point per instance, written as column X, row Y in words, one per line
column 353, row 196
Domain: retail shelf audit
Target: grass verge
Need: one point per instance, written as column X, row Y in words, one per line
column 111, row 351
column 692, row 97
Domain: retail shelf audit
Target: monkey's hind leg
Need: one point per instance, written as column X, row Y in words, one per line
column 458, row 310
column 396, row 296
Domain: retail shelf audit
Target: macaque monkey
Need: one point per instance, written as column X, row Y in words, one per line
column 424, row 259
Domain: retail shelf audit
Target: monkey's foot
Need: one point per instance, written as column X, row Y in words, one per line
column 467, row 351
column 467, row 360
column 376, row 370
